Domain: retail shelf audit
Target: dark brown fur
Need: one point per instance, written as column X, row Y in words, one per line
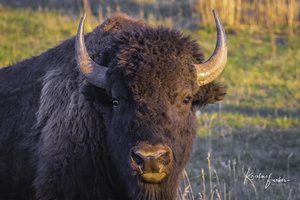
column 78, row 143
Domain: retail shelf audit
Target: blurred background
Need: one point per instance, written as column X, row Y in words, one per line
column 256, row 127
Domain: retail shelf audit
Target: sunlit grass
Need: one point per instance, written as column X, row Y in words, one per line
column 24, row 33
column 233, row 121
column 254, row 78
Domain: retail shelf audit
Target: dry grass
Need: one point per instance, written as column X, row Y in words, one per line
column 216, row 190
column 229, row 157
column 271, row 13
column 231, row 153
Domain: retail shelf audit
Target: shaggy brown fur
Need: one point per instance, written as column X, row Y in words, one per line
column 77, row 141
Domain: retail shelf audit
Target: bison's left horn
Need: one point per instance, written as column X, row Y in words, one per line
column 95, row 73
column 212, row 68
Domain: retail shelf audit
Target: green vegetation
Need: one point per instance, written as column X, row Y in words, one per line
column 24, row 33
column 255, row 78
column 232, row 121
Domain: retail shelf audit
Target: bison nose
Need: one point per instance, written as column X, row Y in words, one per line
column 151, row 162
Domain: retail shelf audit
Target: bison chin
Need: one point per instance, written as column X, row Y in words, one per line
column 165, row 190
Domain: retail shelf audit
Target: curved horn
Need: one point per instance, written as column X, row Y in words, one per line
column 94, row 73
column 212, row 68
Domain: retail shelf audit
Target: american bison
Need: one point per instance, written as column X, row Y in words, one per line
column 108, row 115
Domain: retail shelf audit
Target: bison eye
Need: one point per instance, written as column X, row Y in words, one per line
column 115, row 102
column 187, row 100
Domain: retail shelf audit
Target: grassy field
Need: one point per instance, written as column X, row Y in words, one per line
column 257, row 126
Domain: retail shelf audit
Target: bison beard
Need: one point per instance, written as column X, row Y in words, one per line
column 64, row 134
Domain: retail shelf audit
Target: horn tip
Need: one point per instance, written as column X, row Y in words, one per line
column 81, row 24
column 215, row 13
column 83, row 16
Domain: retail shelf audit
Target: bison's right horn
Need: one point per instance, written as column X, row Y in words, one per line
column 212, row 68
column 94, row 73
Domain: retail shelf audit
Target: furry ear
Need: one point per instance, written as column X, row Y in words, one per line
column 95, row 94
column 120, row 21
column 209, row 93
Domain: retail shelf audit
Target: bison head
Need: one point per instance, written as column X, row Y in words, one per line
column 155, row 80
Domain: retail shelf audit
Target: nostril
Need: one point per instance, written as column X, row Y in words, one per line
column 137, row 159
column 164, row 159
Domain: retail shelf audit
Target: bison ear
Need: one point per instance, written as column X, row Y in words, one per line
column 209, row 94
column 95, row 94
column 120, row 21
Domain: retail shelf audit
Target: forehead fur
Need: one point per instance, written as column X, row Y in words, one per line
column 152, row 58
column 156, row 45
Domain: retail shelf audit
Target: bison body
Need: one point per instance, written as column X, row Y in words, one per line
column 62, row 137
